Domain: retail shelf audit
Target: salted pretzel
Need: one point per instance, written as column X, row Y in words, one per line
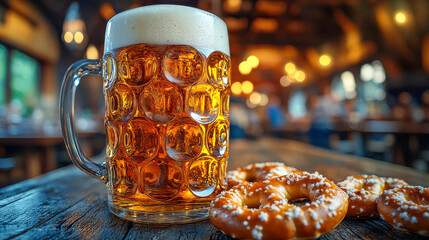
column 363, row 192
column 262, row 210
column 257, row 172
column 406, row 208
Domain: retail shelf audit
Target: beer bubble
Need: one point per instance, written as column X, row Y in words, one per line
column 218, row 66
column 109, row 70
column 162, row 179
column 183, row 65
column 161, row 101
column 225, row 103
column 140, row 139
column 184, row 139
column 123, row 176
column 137, row 65
column 222, row 172
column 218, row 138
column 202, row 176
column 121, row 103
column 202, row 103
column 112, row 139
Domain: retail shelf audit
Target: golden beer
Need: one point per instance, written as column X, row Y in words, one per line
column 166, row 83
column 167, row 126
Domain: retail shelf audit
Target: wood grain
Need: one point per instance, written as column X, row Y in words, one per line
column 68, row 204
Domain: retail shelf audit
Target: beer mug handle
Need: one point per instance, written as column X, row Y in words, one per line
column 67, row 97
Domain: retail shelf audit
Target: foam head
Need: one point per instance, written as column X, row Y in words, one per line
column 167, row 25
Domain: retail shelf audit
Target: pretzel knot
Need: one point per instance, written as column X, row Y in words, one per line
column 363, row 192
column 406, row 208
column 262, row 210
column 257, row 172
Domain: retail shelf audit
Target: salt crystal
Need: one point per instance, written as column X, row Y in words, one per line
column 274, row 208
column 263, row 216
column 405, row 216
column 238, row 211
column 317, row 225
column 313, row 214
column 296, row 212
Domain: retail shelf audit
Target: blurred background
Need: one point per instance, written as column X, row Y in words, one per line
column 346, row 75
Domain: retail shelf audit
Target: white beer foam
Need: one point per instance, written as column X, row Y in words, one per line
column 167, row 25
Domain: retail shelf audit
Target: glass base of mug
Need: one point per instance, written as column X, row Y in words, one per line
column 179, row 217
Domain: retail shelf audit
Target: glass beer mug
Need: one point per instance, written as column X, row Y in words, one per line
column 166, row 74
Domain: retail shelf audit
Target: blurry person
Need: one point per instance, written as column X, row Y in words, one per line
column 239, row 119
column 276, row 116
column 254, row 129
column 423, row 139
column 402, row 110
column 324, row 110
column 425, row 105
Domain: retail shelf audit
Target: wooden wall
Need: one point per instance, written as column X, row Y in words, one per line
column 27, row 30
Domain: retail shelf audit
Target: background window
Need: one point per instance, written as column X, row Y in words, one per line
column 24, row 83
column 3, row 74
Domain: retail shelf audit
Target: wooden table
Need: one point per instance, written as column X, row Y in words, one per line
column 67, row 204
column 403, row 131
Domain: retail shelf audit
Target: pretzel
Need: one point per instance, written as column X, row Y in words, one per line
column 257, row 172
column 406, row 208
column 363, row 192
column 261, row 210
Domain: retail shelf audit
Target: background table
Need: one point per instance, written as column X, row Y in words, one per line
column 68, row 204
column 402, row 130
column 38, row 149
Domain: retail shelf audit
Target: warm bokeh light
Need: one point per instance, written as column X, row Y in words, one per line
column 106, row 11
column 379, row 72
column 325, row 60
column 68, row 37
column 255, row 98
column 264, row 25
column 253, row 61
column 92, row 52
column 74, row 27
column 284, row 81
column 250, row 104
column 247, row 87
column 232, row 6
column 366, row 72
column 78, row 37
column 299, row 76
column 400, row 17
column 290, row 68
column 236, row 88
column 244, row 68
column 349, row 84
column 264, row 99
column 236, row 24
